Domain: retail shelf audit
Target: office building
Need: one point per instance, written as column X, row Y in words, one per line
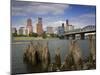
column 21, row 31
column 50, row 30
column 29, row 27
column 39, row 27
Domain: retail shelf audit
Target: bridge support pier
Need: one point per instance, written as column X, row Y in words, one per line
column 73, row 36
column 67, row 37
column 82, row 36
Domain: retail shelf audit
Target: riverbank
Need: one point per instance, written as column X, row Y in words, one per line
column 31, row 38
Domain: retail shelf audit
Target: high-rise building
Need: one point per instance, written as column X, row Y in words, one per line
column 50, row 30
column 63, row 25
column 29, row 27
column 67, row 22
column 68, row 27
column 39, row 27
column 60, row 30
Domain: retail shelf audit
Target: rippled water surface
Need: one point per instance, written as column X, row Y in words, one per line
column 19, row 66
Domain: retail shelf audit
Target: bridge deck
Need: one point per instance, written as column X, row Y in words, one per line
column 71, row 33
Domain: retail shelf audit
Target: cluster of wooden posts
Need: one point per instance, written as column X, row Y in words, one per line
column 39, row 54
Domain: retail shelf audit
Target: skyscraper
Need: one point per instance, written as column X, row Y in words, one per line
column 60, row 30
column 29, row 27
column 63, row 25
column 39, row 27
column 68, row 27
column 67, row 22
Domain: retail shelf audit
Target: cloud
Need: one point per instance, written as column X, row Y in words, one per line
column 83, row 20
column 88, row 15
column 29, row 8
column 78, row 22
column 53, row 14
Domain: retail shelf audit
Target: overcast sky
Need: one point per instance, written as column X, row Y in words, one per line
column 53, row 14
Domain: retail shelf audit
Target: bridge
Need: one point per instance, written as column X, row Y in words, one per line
column 82, row 32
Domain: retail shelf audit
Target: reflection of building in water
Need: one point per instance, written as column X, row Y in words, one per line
column 50, row 30
column 29, row 27
column 39, row 27
column 21, row 31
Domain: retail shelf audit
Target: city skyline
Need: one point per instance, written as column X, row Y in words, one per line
column 53, row 14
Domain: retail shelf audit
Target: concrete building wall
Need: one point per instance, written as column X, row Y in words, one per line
column 14, row 30
column 60, row 30
column 50, row 30
column 39, row 27
column 21, row 31
column 29, row 27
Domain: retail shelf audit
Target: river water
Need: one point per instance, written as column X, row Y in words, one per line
column 17, row 51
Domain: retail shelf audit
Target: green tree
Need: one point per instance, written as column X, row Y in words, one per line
column 33, row 34
column 44, row 35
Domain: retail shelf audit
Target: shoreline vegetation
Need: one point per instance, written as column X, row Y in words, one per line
column 37, row 54
column 31, row 38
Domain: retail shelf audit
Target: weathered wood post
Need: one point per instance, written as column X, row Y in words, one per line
column 30, row 54
column 69, row 61
column 74, row 58
column 34, row 59
column 77, row 55
column 26, row 54
column 92, row 49
column 57, row 58
column 46, row 57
